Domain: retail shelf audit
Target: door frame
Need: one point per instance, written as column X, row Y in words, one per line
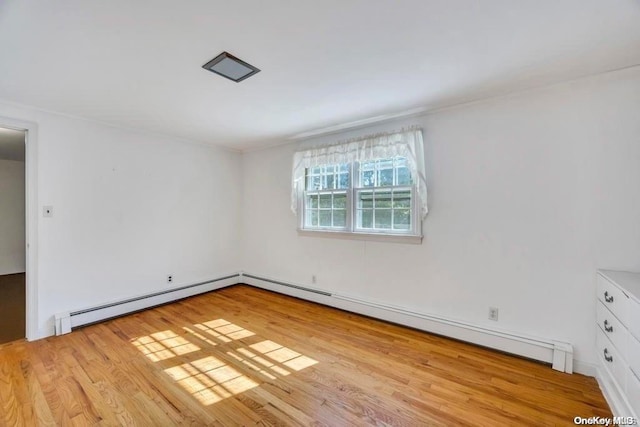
column 31, row 222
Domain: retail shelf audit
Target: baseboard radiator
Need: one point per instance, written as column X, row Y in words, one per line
column 558, row 354
column 65, row 322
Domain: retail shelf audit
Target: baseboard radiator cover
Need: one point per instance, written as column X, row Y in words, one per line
column 558, row 354
column 65, row 322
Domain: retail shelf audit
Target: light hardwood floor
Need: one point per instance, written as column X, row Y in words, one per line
column 243, row 356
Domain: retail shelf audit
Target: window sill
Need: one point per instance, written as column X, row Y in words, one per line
column 373, row 237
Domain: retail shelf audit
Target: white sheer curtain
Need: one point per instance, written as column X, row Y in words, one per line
column 406, row 143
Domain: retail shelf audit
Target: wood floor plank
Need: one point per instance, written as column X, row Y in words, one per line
column 244, row 356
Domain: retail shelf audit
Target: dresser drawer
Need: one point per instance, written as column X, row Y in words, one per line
column 633, row 393
column 611, row 359
column 612, row 328
column 633, row 355
column 613, row 298
column 634, row 318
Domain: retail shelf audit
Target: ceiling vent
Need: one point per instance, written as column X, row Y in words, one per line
column 230, row 67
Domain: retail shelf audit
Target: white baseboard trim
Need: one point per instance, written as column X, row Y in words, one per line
column 613, row 394
column 559, row 354
column 585, row 368
column 65, row 322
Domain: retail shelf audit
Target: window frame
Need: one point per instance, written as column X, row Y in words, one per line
column 351, row 229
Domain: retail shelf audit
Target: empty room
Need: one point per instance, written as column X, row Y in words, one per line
column 340, row 213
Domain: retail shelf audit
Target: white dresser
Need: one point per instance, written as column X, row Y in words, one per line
column 618, row 339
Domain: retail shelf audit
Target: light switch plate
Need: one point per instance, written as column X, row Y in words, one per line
column 47, row 211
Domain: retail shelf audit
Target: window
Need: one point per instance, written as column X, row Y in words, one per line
column 325, row 202
column 384, row 196
column 370, row 188
column 379, row 199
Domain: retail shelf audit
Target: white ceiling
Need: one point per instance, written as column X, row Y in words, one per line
column 12, row 144
column 324, row 63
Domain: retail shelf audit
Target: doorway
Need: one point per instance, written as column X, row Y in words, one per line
column 12, row 235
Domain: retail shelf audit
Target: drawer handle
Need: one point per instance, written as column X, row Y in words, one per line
column 607, row 328
column 607, row 357
column 608, row 298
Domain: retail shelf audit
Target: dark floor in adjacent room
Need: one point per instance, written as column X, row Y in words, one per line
column 12, row 306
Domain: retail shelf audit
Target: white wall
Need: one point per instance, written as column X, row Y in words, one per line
column 12, row 217
column 529, row 195
column 129, row 208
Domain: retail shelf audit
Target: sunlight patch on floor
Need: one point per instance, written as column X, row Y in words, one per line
column 264, row 362
column 252, row 365
column 283, row 355
column 223, row 330
column 164, row 345
column 210, row 379
column 200, row 336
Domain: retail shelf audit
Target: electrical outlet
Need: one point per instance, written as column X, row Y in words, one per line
column 313, row 279
column 493, row 313
column 169, row 278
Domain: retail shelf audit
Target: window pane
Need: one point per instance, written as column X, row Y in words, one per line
column 330, row 182
column 383, row 218
column 365, row 199
column 383, row 199
column 401, row 219
column 385, row 177
column 365, row 218
column 313, row 182
column 402, row 199
column 404, row 177
column 340, row 201
column 343, row 180
column 367, row 178
column 327, row 177
column 312, row 201
column 325, row 200
column 312, row 218
column 325, row 218
column 339, row 217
